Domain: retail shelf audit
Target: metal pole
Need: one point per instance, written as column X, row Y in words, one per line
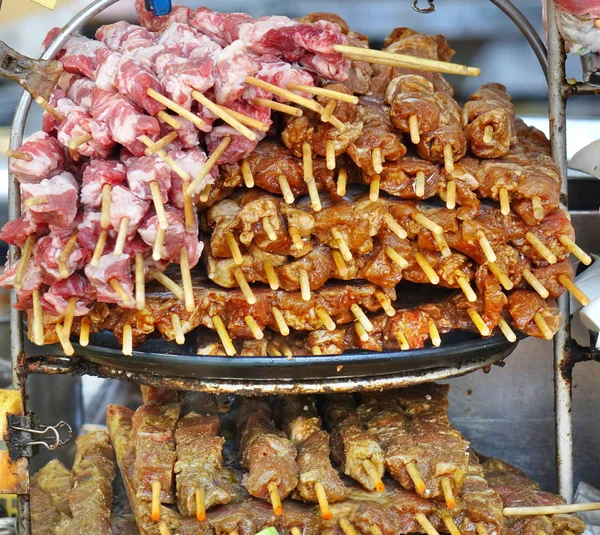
column 562, row 366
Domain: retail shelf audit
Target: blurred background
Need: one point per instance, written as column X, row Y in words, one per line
column 507, row 413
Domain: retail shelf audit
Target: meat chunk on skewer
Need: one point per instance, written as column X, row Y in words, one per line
column 96, row 175
column 46, row 159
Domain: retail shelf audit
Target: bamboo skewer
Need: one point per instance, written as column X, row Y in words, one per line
column 205, row 194
column 210, row 163
column 448, row 159
column 275, row 498
column 434, row 334
column 374, row 476
column 322, row 499
column 160, row 144
column 254, row 328
column 247, row 174
column 448, row 493
column 155, row 509
column 424, row 264
column 120, row 291
column 64, row 255
column 169, row 119
column 417, row 480
column 336, row 123
column 127, row 340
column 324, row 92
column 159, row 241
column 45, row 105
column 347, row 528
column 177, row 329
column 75, row 143
column 483, row 329
column 342, row 181
column 304, row 285
column 36, row 201
column 84, row 332
column 488, row 133
column 537, row 207
column 427, row 223
column 167, row 282
column 224, row 115
column 293, row 97
column 481, row 529
column 200, row 505
column 297, row 242
column 24, row 261
column 278, row 106
column 250, row 122
column 173, row 106
column 425, row 524
column 465, row 286
column 340, row 265
column 286, row 350
column 307, row 168
column 375, row 530
column 377, row 160
column 69, row 314
column 541, row 248
column 500, row 275
column 328, row 111
column 186, row 280
column 121, row 236
column 313, row 193
column 486, row 247
column 420, row 184
column 363, row 335
column 99, row 249
column 572, row 287
column 325, row 318
column 330, row 154
column 394, row 226
column 386, row 303
column 413, row 126
column 268, row 228
column 159, row 206
column 402, row 340
column 450, row 525
column 224, row 336
column 19, row 155
column 315, row 350
column 234, row 248
column 396, row 258
column 504, row 202
column 543, row 510
column 361, row 317
column 38, row 319
column 533, row 281
column 244, row 286
column 575, row 250
column 442, row 245
column 451, row 195
column 295, row 531
column 543, row 326
column 164, row 529
column 167, row 159
column 506, row 330
column 280, row 320
column 65, row 343
column 286, row 190
column 271, row 274
column 342, row 245
column 105, row 209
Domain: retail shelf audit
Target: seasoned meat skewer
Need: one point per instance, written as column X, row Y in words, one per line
column 49, row 494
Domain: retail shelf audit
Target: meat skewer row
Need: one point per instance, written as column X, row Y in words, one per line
column 318, row 481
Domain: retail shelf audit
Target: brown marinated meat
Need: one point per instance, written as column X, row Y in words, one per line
column 49, row 498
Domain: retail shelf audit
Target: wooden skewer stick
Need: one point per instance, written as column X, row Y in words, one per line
column 36, row 201
column 534, row 282
column 210, row 163
column 272, row 351
column 127, row 348
column 275, row 498
column 377, row 160
column 268, row 228
column 401, row 339
column 163, row 529
column 159, row 241
column 278, row 106
column 506, row 330
column 572, row 287
column 167, row 282
column 65, row 343
column 324, row 92
column 224, row 115
column 19, row 155
column 254, row 328
column 247, row 121
column 177, row 329
column 105, row 210
column 543, row 326
column 293, row 97
column 244, row 286
column 448, row 493
column 78, row 141
column 323, row 503
column 481, row 529
column 38, row 319
column 24, row 261
column 342, row 181
column 420, row 184
column 64, row 255
column 342, row 245
column 393, row 255
column 328, row 111
column 295, row 531
column 465, row 286
column 247, row 174
column 394, row 226
column 374, row 476
column 84, row 332
column 573, row 248
column 280, row 320
column 448, row 159
column 169, row 119
column 375, row 530
column 486, row 247
column 325, row 318
column 167, row 159
column 155, row 513
column 500, row 275
column 425, row 524
column 313, row 193
column 159, row 206
column 330, row 154
column 374, row 188
column 173, row 106
column 297, row 242
column 504, row 202
column 223, row 336
column 538, row 208
column 121, row 236
column 488, row 133
column 362, row 317
column 99, row 250
column 160, row 144
column 186, row 280
column 451, row 195
column 286, row 190
column 541, row 248
column 69, row 315
column 45, row 105
column 340, row 264
column 386, row 303
column 543, row 510
column 417, row 480
column 424, row 221
column 236, row 254
column 120, row 291
column 304, row 285
column 200, row 505
column 424, row 264
column 271, row 274
column 483, row 329
column 434, row 334
column 450, row 525
column 347, row 528
column 336, row 123
column 442, row 245
column 315, row 350
column 413, row 126
column 363, row 335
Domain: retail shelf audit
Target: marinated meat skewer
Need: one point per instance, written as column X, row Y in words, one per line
column 318, row 481
column 49, row 495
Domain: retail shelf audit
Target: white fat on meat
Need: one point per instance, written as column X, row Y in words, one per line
column 281, row 73
column 181, row 79
column 95, row 175
column 191, row 161
column 253, row 33
column 146, row 170
column 231, row 68
column 56, row 300
column 48, row 159
column 111, row 266
column 174, row 235
column 107, row 72
column 123, row 203
column 47, row 251
column 238, row 148
column 61, row 193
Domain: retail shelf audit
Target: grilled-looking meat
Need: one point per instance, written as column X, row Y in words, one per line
column 49, row 498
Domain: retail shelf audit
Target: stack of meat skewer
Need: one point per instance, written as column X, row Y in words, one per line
column 180, row 476
column 305, row 168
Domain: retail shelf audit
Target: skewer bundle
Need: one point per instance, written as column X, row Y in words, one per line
column 147, row 126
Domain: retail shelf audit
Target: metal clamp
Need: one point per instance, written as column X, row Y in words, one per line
column 26, row 435
column 426, row 10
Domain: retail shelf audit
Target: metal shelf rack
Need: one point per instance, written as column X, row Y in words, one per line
column 566, row 351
